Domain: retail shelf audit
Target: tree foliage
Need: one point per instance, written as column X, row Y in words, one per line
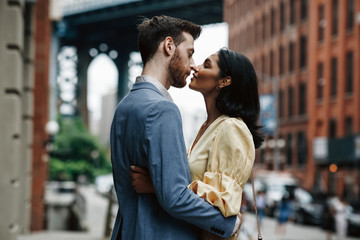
column 76, row 152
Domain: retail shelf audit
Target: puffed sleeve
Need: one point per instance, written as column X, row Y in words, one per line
column 229, row 166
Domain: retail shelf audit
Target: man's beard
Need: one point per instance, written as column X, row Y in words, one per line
column 177, row 71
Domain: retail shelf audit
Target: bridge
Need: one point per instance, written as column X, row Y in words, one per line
column 109, row 27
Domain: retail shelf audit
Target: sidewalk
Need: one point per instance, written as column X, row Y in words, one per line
column 293, row 231
column 95, row 221
column 97, row 207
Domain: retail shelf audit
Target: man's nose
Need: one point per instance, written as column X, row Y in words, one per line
column 194, row 67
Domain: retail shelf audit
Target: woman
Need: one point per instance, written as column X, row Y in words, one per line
column 222, row 155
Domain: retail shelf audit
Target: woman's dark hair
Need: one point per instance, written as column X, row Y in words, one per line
column 241, row 97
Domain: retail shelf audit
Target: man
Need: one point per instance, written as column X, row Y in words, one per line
column 147, row 132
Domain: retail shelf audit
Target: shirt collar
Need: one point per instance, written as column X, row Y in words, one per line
column 156, row 83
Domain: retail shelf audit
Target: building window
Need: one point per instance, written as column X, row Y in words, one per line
column 302, row 102
column 335, row 17
column 272, row 26
column 259, row 31
column 271, row 64
column 291, row 101
column 320, row 80
column 350, row 14
column 292, row 11
column 304, row 9
column 291, row 56
column 281, row 104
column 301, row 148
column 281, row 60
column 303, row 52
column 332, row 128
column 321, row 27
column 282, row 16
column 349, row 126
column 263, row 69
column 333, row 86
column 264, row 27
column 289, row 149
column 349, row 72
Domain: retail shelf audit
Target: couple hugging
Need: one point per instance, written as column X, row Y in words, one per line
column 163, row 191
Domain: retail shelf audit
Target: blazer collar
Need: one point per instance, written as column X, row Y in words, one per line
column 155, row 83
column 147, row 85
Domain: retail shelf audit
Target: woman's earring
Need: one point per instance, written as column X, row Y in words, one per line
column 218, row 87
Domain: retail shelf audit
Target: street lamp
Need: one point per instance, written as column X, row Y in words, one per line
column 51, row 128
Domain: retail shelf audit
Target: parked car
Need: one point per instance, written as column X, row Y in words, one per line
column 275, row 186
column 104, row 183
column 354, row 219
column 306, row 209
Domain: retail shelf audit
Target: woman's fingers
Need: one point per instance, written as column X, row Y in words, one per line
column 140, row 170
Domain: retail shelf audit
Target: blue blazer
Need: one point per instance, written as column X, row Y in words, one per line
column 147, row 131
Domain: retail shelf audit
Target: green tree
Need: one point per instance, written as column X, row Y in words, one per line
column 76, row 152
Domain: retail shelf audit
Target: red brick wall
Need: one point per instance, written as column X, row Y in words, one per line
column 245, row 19
column 41, row 96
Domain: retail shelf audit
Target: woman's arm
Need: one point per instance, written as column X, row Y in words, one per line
column 229, row 166
column 141, row 180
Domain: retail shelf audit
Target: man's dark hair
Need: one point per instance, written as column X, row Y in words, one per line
column 155, row 30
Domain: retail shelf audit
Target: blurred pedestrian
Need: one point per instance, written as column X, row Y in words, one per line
column 328, row 222
column 261, row 204
column 340, row 208
column 285, row 211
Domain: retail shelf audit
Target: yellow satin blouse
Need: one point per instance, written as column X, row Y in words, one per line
column 221, row 163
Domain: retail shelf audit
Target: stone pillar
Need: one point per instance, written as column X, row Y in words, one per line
column 121, row 63
column 11, row 123
column 27, row 120
column 84, row 60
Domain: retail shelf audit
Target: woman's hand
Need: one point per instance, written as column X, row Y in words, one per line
column 141, row 180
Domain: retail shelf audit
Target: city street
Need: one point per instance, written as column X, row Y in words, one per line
column 96, row 214
column 293, row 231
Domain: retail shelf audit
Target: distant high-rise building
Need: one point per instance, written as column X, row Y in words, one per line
column 108, row 106
column 306, row 54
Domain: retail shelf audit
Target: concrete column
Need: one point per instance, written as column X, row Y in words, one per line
column 27, row 121
column 11, row 93
column 84, row 60
column 122, row 65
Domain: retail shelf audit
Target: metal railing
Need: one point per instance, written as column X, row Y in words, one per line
column 110, row 215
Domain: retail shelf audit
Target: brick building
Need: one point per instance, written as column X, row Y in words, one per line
column 307, row 53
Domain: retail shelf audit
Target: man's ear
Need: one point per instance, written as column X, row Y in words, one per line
column 169, row 46
column 226, row 81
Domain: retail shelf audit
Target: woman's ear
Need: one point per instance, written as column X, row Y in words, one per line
column 169, row 46
column 225, row 82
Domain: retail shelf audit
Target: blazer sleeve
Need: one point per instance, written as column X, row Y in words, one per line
column 169, row 170
column 229, row 166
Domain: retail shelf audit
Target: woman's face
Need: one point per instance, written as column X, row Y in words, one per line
column 207, row 78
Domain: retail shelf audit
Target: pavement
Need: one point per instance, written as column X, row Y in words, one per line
column 96, row 214
column 292, row 231
column 95, row 221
